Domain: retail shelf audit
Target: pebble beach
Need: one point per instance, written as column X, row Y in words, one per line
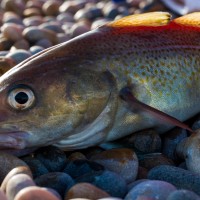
column 141, row 166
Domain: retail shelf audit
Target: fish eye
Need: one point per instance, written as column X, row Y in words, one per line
column 21, row 98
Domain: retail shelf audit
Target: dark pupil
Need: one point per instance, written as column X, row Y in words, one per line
column 21, row 98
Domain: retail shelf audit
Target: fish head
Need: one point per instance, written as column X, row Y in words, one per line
column 44, row 101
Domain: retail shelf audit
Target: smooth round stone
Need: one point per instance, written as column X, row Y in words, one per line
column 45, row 43
column 19, row 55
column 12, row 31
column 189, row 150
column 51, row 7
column 183, row 194
column 2, row 195
column 78, row 29
column 29, row 12
column 33, row 34
column 181, row 178
column 63, row 37
column 52, row 158
column 50, row 35
column 65, row 17
column 11, row 17
column 18, row 170
column 21, row 44
column 77, row 168
column 34, row 192
column 122, row 161
column 170, row 141
column 110, row 10
column 33, row 21
column 85, row 190
column 6, row 64
column 17, row 183
column 5, row 44
column 7, row 163
column 108, row 181
column 158, row 190
column 36, row 49
column 59, row 181
column 149, row 161
column 36, row 166
column 146, row 141
column 133, row 184
column 52, row 26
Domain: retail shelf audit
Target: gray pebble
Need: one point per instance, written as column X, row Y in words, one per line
column 181, row 178
column 183, row 194
column 36, row 49
column 158, row 190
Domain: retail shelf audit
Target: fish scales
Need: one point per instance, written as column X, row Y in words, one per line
column 159, row 61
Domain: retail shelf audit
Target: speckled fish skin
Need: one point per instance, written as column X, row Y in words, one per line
column 76, row 85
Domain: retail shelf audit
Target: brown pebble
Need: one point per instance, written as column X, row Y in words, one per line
column 6, row 64
column 85, row 190
column 18, row 170
column 77, row 156
column 22, row 44
column 2, row 195
column 7, row 163
column 17, row 183
column 51, row 7
column 34, row 192
column 122, row 161
column 32, row 12
column 5, row 44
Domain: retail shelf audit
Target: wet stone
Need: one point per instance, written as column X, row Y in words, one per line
column 85, row 190
column 17, row 183
column 36, row 166
column 18, row 170
column 59, row 181
column 36, row 49
column 183, row 194
column 181, row 178
column 149, row 161
column 52, row 158
column 170, row 141
column 122, row 161
column 108, row 181
column 146, row 141
column 7, row 163
column 34, row 192
column 77, row 168
column 154, row 189
column 19, row 55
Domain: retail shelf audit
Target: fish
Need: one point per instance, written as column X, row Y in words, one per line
column 135, row 73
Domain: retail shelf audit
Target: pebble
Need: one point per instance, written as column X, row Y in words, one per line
column 6, row 64
column 85, row 190
column 11, row 17
column 7, row 163
column 106, row 180
column 122, row 161
column 149, row 161
column 59, row 181
column 36, row 166
column 51, row 7
column 170, row 141
column 52, row 158
column 34, row 192
column 17, row 183
column 181, row 178
column 146, row 141
column 21, row 44
column 154, row 189
column 36, row 49
column 183, row 194
column 5, row 44
column 78, row 29
column 33, row 21
column 77, row 168
column 19, row 55
column 18, row 170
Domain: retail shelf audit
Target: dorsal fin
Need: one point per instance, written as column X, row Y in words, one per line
column 146, row 19
column 192, row 19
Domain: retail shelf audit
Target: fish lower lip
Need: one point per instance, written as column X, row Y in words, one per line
column 13, row 140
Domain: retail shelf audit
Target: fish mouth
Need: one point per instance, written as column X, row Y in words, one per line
column 13, row 140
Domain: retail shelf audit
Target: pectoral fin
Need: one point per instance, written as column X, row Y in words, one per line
column 127, row 95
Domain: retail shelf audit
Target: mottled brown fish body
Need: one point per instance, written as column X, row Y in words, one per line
column 76, row 84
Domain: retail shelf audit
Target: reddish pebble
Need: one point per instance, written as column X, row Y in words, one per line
column 122, row 161
column 34, row 192
column 85, row 190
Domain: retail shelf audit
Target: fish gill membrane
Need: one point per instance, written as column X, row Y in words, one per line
column 69, row 95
